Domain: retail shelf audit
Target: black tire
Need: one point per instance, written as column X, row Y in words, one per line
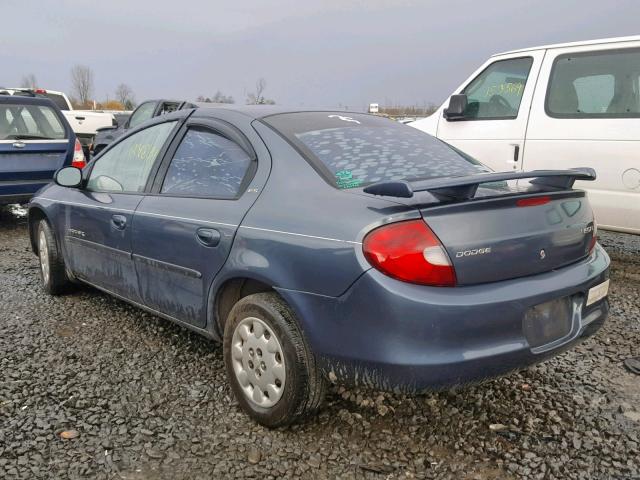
column 304, row 389
column 56, row 281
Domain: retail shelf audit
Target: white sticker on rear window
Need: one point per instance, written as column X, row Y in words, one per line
column 345, row 119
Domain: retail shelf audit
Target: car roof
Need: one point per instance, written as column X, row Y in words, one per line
column 27, row 89
column 261, row 111
column 601, row 41
column 23, row 100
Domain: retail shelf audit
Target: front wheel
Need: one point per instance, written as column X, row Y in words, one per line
column 272, row 371
column 52, row 271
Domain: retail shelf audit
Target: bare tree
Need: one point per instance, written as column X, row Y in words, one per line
column 256, row 98
column 82, row 83
column 124, row 94
column 220, row 97
column 29, row 81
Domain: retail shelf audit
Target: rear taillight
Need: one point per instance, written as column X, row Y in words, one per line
column 78, row 156
column 411, row 252
column 40, row 90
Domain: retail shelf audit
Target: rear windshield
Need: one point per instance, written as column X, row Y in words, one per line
column 353, row 150
column 30, row 122
column 56, row 98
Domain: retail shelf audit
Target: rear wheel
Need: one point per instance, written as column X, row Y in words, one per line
column 52, row 271
column 272, row 371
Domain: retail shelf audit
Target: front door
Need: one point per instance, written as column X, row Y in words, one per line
column 183, row 232
column 495, row 122
column 99, row 217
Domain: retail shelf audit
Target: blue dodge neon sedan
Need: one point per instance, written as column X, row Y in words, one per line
column 35, row 141
column 319, row 245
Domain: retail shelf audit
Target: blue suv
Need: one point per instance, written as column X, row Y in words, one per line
column 35, row 141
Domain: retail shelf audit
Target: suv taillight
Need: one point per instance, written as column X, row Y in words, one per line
column 78, row 156
column 411, row 252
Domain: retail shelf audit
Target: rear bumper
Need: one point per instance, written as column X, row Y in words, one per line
column 19, row 191
column 390, row 335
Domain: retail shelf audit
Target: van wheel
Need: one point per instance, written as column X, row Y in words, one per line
column 52, row 271
column 271, row 369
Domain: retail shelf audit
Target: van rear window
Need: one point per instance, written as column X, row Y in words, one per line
column 354, row 150
column 30, row 122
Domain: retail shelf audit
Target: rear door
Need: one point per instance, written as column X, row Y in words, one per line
column 99, row 218
column 586, row 113
column 499, row 96
column 35, row 141
column 184, row 230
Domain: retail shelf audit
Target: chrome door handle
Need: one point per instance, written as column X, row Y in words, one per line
column 19, row 145
column 209, row 237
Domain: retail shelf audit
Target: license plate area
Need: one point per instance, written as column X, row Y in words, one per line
column 598, row 293
column 548, row 322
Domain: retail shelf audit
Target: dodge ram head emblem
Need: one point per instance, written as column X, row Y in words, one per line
column 543, row 254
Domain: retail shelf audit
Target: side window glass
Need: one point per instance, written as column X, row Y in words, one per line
column 142, row 114
column 595, row 85
column 594, row 93
column 206, row 164
column 126, row 166
column 497, row 92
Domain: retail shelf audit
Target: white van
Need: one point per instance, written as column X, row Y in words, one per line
column 557, row 106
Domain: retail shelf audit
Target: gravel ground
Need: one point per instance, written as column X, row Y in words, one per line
column 145, row 399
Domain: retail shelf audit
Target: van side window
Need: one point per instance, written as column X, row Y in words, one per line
column 600, row 84
column 496, row 93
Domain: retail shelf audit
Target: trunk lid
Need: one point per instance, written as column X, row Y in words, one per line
column 24, row 160
column 35, row 140
column 499, row 238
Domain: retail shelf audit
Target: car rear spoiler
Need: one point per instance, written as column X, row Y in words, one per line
column 464, row 188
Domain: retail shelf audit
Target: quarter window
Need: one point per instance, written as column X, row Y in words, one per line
column 206, row 164
column 126, row 166
column 595, row 85
column 497, row 92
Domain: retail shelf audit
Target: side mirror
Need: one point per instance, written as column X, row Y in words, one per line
column 456, row 108
column 69, row 177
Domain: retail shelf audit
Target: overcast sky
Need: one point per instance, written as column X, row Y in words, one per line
column 312, row 53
